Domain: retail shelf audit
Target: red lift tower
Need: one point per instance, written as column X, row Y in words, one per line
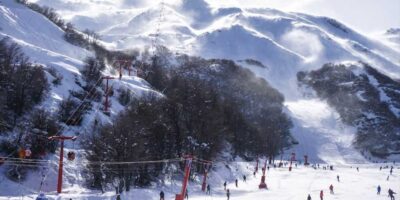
column 188, row 165
column 106, row 93
column 263, row 185
column 204, row 184
column 123, row 63
column 60, row 165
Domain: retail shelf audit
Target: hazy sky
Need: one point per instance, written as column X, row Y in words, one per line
column 367, row 16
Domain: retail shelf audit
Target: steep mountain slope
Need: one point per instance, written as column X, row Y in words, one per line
column 365, row 99
column 43, row 42
column 284, row 43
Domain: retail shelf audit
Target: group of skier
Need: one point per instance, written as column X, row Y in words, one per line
column 391, row 193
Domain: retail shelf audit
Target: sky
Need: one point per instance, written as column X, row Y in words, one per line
column 367, row 16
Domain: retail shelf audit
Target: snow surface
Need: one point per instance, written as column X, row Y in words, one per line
column 282, row 184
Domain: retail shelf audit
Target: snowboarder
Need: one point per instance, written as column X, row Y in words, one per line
column 161, row 195
column 321, row 195
column 378, row 189
column 309, row 197
column 338, row 179
column 208, row 189
column 236, row 183
column 225, row 185
column 331, row 188
column 228, row 194
column 391, row 194
column 244, row 178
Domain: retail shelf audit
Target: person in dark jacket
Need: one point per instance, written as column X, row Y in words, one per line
column 378, row 190
column 225, row 185
column 228, row 194
column 162, row 195
column 209, row 189
column 309, row 197
column 391, row 194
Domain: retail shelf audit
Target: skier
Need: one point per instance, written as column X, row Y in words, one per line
column 309, row 197
column 321, row 195
column 244, row 178
column 378, row 189
column 187, row 194
column 236, row 183
column 42, row 197
column 208, row 189
column 254, row 174
column 228, row 194
column 225, row 185
column 391, row 194
column 391, row 171
column 338, row 179
column 331, row 188
column 161, row 195
column 387, row 178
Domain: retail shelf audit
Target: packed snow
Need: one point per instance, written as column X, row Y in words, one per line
column 282, row 184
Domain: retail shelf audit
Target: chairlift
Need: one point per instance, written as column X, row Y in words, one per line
column 71, row 155
column 21, row 153
column 28, row 153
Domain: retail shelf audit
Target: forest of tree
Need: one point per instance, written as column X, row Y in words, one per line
column 23, row 85
column 203, row 106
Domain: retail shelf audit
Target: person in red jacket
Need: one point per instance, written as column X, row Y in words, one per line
column 321, row 195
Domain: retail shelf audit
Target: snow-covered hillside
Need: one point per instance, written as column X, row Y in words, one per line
column 44, row 43
column 283, row 42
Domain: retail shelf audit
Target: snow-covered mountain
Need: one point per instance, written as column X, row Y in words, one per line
column 275, row 45
column 285, row 43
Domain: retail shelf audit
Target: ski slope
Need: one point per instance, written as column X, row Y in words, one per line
column 282, row 185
